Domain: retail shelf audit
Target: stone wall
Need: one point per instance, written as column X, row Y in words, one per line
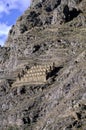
column 35, row 75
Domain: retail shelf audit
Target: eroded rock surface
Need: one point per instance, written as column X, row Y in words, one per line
column 50, row 31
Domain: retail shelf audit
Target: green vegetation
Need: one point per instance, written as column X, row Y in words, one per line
column 13, row 128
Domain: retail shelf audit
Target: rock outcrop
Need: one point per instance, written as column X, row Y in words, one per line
column 50, row 31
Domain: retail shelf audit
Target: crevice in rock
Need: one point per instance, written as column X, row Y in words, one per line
column 55, row 71
column 36, row 48
column 23, row 90
column 70, row 14
column 26, row 120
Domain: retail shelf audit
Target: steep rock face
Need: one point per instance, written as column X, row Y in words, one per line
column 45, row 13
column 49, row 31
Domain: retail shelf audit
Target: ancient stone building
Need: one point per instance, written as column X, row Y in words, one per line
column 35, row 75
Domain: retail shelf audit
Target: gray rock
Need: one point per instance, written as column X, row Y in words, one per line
column 49, row 31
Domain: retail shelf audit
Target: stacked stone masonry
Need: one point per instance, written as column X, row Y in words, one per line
column 35, row 75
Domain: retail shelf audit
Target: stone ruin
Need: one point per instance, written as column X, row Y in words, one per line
column 37, row 74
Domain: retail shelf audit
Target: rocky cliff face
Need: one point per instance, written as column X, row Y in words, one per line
column 49, row 31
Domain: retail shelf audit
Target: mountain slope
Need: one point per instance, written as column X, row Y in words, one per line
column 50, row 31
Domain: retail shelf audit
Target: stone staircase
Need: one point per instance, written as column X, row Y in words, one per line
column 35, row 75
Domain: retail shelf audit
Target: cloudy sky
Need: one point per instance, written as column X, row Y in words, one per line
column 10, row 10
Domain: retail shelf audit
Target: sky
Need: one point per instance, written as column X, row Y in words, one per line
column 10, row 10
